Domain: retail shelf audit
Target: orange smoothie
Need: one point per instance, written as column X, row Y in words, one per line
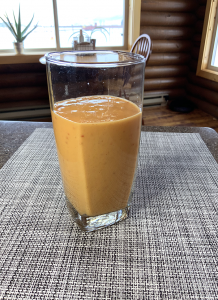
column 97, row 140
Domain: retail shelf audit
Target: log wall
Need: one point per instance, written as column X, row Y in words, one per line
column 201, row 91
column 170, row 24
column 175, row 28
column 23, row 88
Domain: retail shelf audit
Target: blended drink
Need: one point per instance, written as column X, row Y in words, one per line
column 97, row 141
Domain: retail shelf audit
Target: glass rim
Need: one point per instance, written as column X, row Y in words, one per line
column 134, row 58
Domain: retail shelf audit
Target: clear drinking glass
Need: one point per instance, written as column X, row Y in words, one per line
column 96, row 106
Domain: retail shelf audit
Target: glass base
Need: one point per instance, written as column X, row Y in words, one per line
column 87, row 223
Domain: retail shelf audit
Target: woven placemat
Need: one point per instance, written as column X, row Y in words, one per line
column 166, row 249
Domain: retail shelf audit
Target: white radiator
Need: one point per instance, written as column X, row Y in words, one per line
column 25, row 114
column 159, row 100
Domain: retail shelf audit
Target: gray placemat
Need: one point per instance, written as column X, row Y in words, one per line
column 166, row 249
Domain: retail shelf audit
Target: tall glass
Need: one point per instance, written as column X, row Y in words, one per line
column 96, row 106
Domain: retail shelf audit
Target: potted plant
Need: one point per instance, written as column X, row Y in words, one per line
column 16, row 31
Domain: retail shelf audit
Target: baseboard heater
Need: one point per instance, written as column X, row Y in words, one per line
column 156, row 100
column 25, row 114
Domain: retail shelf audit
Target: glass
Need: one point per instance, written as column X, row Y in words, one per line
column 96, row 106
column 98, row 19
column 43, row 36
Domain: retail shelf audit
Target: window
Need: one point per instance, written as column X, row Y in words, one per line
column 208, row 56
column 59, row 23
column 213, row 53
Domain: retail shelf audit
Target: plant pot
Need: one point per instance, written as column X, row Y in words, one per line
column 18, row 47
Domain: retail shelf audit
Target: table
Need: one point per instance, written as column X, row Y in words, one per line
column 14, row 133
column 167, row 249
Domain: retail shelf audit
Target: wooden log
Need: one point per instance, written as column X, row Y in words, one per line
column 23, row 79
column 201, row 12
column 169, row 6
column 43, row 119
column 199, row 26
column 161, row 59
column 195, row 53
column 166, row 71
column 167, row 33
column 205, row 106
column 197, row 37
column 22, row 68
column 197, row 44
column 23, row 93
column 193, row 65
column 164, row 83
column 202, row 93
column 202, row 82
column 166, row 19
column 173, row 93
column 170, row 46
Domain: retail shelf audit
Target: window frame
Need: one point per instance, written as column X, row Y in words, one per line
column 133, row 24
column 204, row 68
column 58, row 48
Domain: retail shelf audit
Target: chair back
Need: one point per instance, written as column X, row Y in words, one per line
column 142, row 46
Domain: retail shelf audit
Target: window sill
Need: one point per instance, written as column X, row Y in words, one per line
column 33, row 57
column 12, row 58
column 208, row 74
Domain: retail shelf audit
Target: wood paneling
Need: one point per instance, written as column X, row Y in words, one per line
column 166, row 71
column 23, row 87
column 199, row 26
column 171, row 25
column 23, row 93
column 22, row 79
column 164, row 83
column 167, row 19
column 164, row 59
column 201, row 91
column 22, row 68
column 171, row 46
column 204, row 83
column 200, row 12
column 193, row 65
column 169, row 6
column 195, row 53
column 168, row 33
column 205, row 106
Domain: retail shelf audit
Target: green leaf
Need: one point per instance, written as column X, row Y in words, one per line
column 25, row 30
column 23, row 38
column 15, row 21
column 17, row 33
column 9, row 28
column 19, row 26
